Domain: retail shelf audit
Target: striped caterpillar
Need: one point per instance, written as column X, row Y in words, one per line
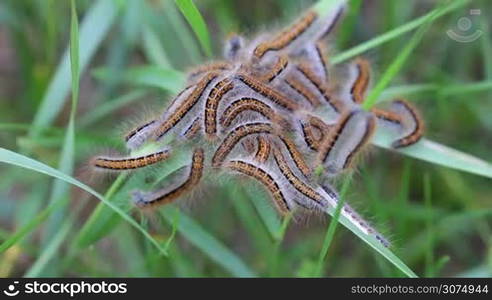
column 271, row 111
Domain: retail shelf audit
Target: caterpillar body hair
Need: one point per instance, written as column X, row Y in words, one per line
column 329, row 22
column 207, row 68
column 248, row 145
column 309, row 137
column 250, row 104
column 139, row 135
column 319, row 124
column 321, row 28
column 193, row 129
column 212, row 104
column 368, row 132
column 315, row 56
column 152, row 199
column 267, row 92
column 276, row 69
column 412, row 123
column 334, row 103
column 129, row 163
column 330, row 140
column 179, row 113
column 295, row 154
column 348, row 212
column 303, row 188
column 235, row 136
column 286, row 37
column 314, row 131
column 263, row 149
column 135, row 131
column 360, row 81
column 303, row 91
column 266, row 179
column 363, row 225
column 345, row 140
column 387, row 116
column 322, row 60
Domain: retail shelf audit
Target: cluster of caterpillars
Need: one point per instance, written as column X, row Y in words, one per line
column 273, row 111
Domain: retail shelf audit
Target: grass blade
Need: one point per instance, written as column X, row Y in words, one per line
column 16, row 159
column 397, row 32
column 274, row 256
column 154, row 51
column 375, row 244
column 459, row 89
column 330, row 233
column 397, row 91
column 195, row 19
column 440, row 155
column 110, row 106
column 208, row 244
column 51, row 237
column 451, row 90
column 29, row 227
column 94, row 28
column 265, row 210
column 429, row 255
column 154, row 76
column 397, row 63
column 74, row 57
column 249, row 218
column 101, row 221
column 323, row 7
column 49, row 251
column 187, row 45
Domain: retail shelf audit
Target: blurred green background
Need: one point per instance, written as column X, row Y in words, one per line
column 132, row 54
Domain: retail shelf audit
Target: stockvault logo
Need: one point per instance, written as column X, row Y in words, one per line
column 11, row 290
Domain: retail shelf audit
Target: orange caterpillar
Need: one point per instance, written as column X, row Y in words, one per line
column 267, row 92
column 306, row 93
column 266, row 179
column 166, row 196
column 249, row 104
column 277, row 68
column 263, row 151
column 120, row 164
column 238, row 133
column 320, row 87
column 212, row 103
column 186, row 106
column 286, row 37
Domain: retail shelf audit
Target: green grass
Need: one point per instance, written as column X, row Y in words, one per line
column 120, row 61
column 57, row 226
column 397, row 64
column 330, row 232
column 95, row 27
column 197, row 23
